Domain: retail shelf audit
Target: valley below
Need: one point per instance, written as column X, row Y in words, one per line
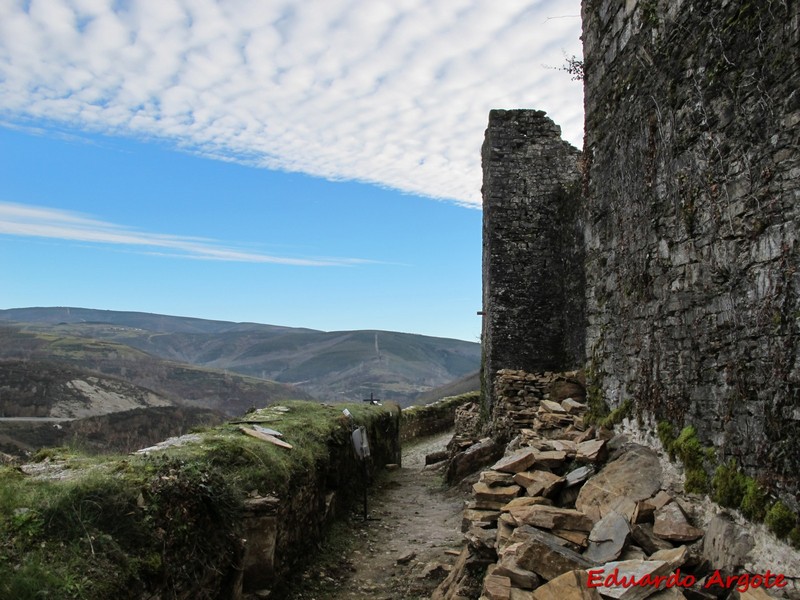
column 67, row 374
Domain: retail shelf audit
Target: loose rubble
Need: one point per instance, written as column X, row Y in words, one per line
column 572, row 513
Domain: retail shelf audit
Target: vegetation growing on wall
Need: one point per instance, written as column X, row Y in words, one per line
column 115, row 529
column 416, row 421
column 780, row 519
column 734, row 489
column 167, row 524
column 686, row 447
column 616, row 416
column 729, row 486
column 574, row 66
column 691, row 230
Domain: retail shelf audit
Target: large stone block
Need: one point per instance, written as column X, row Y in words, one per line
column 636, row 474
column 552, row 517
column 544, row 554
column 572, row 585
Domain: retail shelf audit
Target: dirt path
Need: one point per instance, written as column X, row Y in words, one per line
column 395, row 555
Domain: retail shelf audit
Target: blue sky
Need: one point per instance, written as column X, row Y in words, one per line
column 310, row 164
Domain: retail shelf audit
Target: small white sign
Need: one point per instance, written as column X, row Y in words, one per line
column 360, row 443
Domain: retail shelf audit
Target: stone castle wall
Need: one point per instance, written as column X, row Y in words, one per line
column 688, row 218
column 692, row 194
column 532, row 254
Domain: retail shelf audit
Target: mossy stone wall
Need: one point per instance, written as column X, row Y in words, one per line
column 294, row 525
column 692, row 193
column 419, row 421
column 204, row 516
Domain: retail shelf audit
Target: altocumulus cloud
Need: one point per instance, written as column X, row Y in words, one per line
column 394, row 92
column 42, row 222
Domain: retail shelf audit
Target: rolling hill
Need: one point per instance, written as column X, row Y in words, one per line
column 468, row 383
column 331, row 366
column 53, row 375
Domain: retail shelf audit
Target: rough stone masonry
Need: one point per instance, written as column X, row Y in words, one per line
column 689, row 221
column 533, row 252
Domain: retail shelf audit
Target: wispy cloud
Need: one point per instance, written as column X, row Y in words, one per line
column 41, row 222
column 394, row 92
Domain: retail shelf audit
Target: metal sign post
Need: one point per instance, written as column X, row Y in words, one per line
column 361, row 448
column 358, row 436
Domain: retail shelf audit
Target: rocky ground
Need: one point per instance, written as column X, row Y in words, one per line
column 406, row 547
column 574, row 511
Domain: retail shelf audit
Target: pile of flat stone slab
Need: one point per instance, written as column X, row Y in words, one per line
column 524, row 409
column 563, row 505
column 519, row 397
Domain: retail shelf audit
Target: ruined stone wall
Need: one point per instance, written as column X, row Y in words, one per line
column 433, row 418
column 692, row 192
column 532, row 253
column 518, row 400
column 282, row 533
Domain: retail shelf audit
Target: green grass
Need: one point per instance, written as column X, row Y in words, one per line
column 261, row 466
column 121, row 527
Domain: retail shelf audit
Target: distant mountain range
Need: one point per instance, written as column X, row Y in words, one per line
column 230, row 366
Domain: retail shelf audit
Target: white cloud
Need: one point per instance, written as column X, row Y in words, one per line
column 43, row 222
column 395, row 92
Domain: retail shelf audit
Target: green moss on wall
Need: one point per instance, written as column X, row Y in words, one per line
column 686, row 447
column 734, row 489
column 595, row 398
column 168, row 524
column 693, row 455
column 432, row 418
column 780, row 519
column 616, row 416
column 666, row 434
column 754, row 502
column 729, row 485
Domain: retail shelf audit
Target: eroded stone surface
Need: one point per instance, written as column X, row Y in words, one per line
column 671, row 524
column 552, row 517
column 545, row 555
column 502, row 494
column 525, row 501
column 608, row 538
column 516, row 462
column 497, row 587
column 631, row 569
column 572, row 585
column 496, row 478
column 726, row 545
column 636, row 474
column 539, row 483
column 591, row 451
